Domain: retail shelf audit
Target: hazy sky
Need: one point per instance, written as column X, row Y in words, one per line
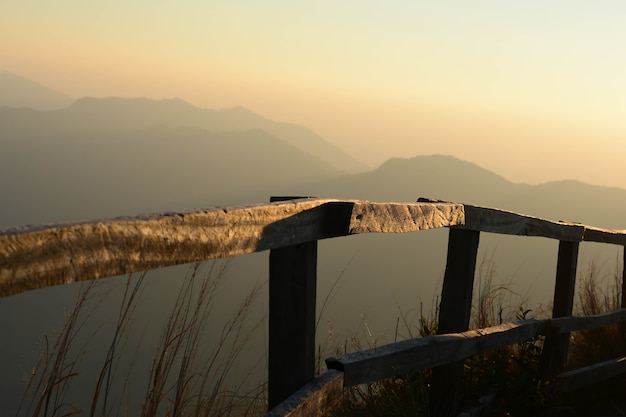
column 534, row 90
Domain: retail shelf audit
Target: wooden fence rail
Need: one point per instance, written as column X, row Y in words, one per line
column 37, row 257
column 412, row 355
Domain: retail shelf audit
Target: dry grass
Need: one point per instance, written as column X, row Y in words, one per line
column 57, row 365
column 509, row 374
column 596, row 294
column 184, row 379
column 393, row 397
column 493, row 304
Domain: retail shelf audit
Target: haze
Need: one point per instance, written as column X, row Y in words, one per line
column 533, row 90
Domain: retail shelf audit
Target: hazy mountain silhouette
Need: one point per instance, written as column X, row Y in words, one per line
column 89, row 115
column 76, row 176
column 16, row 91
column 82, row 176
column 405, row 269
column 110, row 157
column 448, row 178
column 120, row 129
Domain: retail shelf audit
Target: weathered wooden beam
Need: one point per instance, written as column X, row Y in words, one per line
column 57, row 254
column 556, row 344
column 427, row 352
column 595, row 234
column 505, row 222
column 431, row 351
column 458, row 281
column 370, row 217
column 509, row 223
column 570, row 324
column 565, row 284
column 623, row 289
column 454, row 312
column 313, row 399
column 589, row 375
column 292, row 288
column 292, row 295
column 37, row 257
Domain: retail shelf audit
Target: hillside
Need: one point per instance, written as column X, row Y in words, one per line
column 110, row 157
column 382, row 277
column 16, row 91
column 89, row 115
column 76, row 176
column 451, row 179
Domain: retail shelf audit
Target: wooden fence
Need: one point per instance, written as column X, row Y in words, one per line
column 36, row 257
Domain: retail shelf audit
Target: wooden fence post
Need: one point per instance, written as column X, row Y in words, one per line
column 623, row 277
column 292, row 291
column 622, row 325
column 556, row 345
column 454, row 314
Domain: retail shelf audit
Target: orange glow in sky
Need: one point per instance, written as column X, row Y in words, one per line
column 533, row 90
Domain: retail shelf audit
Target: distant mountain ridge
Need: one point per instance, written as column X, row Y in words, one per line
column 110, row 157
column 114, row 113
column 288, row 158
column 16, row 91
column 177, row 112
column 448, row 178
column 69, row 176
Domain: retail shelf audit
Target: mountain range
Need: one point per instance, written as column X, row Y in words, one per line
column 115, row 156
column 18, row 91
column 100, row 158
column 68, row 160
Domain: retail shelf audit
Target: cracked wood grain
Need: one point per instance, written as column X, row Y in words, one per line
column 37, row 257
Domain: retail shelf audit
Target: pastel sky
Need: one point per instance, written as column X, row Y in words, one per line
column 534, row 90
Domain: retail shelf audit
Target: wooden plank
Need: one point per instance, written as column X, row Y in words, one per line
column 494, row 220
column 589, row 375
column 458, row 281
column 623, row 289
column 570, row 324
column 292, row 294
column 292, row 285
column 595, row 234
column 37, row 257
column 565, row 279
column 57, row 254
column 509, row 223
column 403, row 217
column 427, row 352
column 312, row 399
column 556, row 344
column 454, row 312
